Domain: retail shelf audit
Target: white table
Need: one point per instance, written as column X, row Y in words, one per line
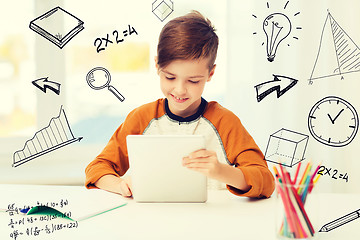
column 223, row 216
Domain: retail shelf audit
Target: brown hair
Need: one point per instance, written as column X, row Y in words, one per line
column 191, row 36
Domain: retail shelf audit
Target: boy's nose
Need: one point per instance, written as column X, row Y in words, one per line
column 180, row 88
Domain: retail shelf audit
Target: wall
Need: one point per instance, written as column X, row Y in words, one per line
column 296, row 56
column 242, row 65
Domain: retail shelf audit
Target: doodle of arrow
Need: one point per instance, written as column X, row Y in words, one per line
column 44, row 83
column 280, row 84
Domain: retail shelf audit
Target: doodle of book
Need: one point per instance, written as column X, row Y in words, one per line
column 55, row 135
column 57, row 25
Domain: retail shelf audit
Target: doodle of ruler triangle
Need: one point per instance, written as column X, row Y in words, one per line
column 338, row 53
column 55, row 135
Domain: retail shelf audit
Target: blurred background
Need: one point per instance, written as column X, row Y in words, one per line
column 241, row 65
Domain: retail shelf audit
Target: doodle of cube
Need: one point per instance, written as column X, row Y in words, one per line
column 286, row 147
column 162, row 9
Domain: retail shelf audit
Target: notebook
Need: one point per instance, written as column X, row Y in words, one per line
column 57, row 25
column 157, row 172
column 69, row 202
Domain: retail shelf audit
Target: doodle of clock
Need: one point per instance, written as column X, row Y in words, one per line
column 333, row 121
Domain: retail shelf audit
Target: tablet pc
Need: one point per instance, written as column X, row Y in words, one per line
column 157, row 172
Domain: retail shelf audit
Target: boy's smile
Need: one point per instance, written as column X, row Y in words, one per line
column 183, row 82
column 179, row 100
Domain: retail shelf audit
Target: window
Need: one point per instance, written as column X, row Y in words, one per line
column 17, row 67
column 92, row 114
column 130, row 62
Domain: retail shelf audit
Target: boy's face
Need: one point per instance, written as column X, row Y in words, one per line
column 183, row 82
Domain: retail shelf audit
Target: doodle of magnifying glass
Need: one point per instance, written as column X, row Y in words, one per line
column 99, row 78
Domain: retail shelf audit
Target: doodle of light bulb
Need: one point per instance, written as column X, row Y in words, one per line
column 277, row 27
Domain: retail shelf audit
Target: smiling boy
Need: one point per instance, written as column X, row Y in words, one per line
column 185, row 62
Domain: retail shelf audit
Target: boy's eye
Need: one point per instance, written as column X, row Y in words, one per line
column 169, row 78
column 191, row 81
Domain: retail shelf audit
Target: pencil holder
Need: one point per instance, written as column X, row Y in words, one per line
column 296, row 211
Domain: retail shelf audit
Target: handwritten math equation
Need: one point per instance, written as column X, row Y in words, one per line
column 333, row 173
column 48, row 229
column 21, row 224
column 102, row 43
column 61, row 203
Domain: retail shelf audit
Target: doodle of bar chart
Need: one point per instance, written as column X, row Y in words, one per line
column 286, row 147
column 55, row 135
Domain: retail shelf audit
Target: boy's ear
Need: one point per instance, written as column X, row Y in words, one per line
column 211, row 73
column 156, row 64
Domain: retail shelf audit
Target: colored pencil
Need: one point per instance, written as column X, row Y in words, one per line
column 296, row 222
column 303, row 178
column 300, row 220
column 315, row 172
column 293, row 213
column 306, row 189
column 298, row 206
column 317, row 178
column 305, row 172
column 287, row 211
column 297, row 172
column 312, row 181
column 301, row 205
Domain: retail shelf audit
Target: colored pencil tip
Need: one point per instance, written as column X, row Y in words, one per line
column 25, row 210
column 316, row 178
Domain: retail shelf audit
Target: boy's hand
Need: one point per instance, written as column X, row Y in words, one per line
column 206, row 162
column 203, row 161
column 115, row 184
column 125, row 187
